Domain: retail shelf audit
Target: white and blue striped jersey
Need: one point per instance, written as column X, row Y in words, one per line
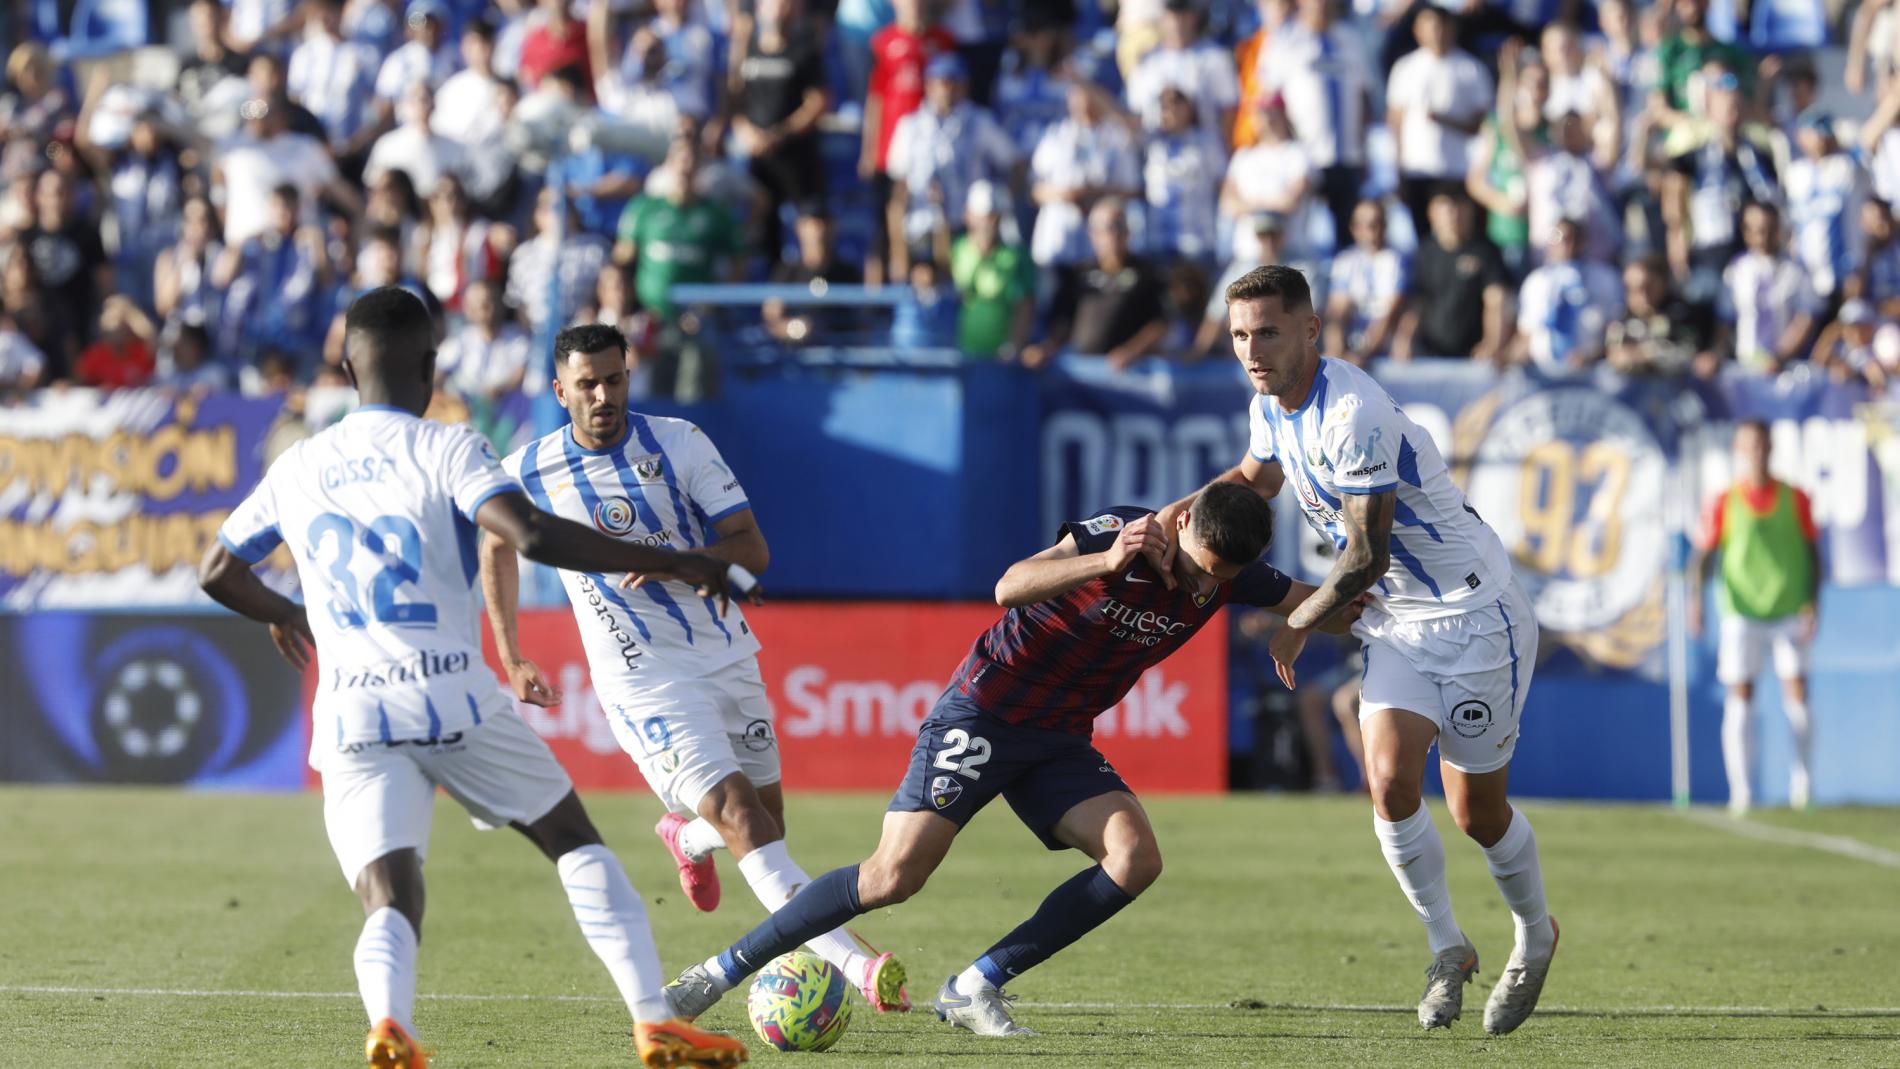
column 1350, row 437
column 663, row 484
column 378, row 512
column 1824, row 198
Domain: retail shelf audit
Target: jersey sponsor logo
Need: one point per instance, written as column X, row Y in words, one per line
column 1103, row 525
column 945, row 790
column 1144, row 627
column 418, row 666
column 615, row 516
column 1470, row 719
column 630, row 651
column 757, row 736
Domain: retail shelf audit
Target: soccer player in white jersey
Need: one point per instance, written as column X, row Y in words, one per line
column 1450, row 637
column 381, row 513
column 679, row 684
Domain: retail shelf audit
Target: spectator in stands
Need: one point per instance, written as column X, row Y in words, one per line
column 23, row 303
column 1259, row 238
column 264, row 156
column 211, row 61
column 1566, row 305
column 488, row 356
column 1113, row 307
column 1032, row 92
column 1513, row 133
column 1458, row 295
column 377, row 24
column 69, row 261
column 936, row 153
column 184, row 362
column 392, row 206
column 139, row 173
column 466, row 101
column 269, row 80
column 1768, row 307
column 1581, row 85
column 1270, row 175
column 1825, row 186
column 995, row 279
column 276, row 284
column 32, row 110
column 1366, row 291
column 182, row 288
column 1870, row 42
column 677, row 236
column 1436, row 100
column 541, row 126
column 413, row 147
column 1081, row 158
column 1183, row 163
column 1249, row 57
column 1683, row 55
column 336, row 79
column 1320, row 71
column 614, row 304
column 263, row 25
column 816, row 265
column 1845, row 349
column 457, row 247
column 632, row 90
column 123, row 354
column 553, row 41
column 559, row 246
column 426, row 58
column 1659, row 332
column 925, row 316
column 1710, row 184
column 1200, row 70
column 900, row 52
column 689, row 72
column 779, row 96
column 1877, row 279
column 21, row 362
column 1564, row 180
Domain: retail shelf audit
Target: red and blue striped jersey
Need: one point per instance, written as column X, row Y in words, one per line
column 1060, row 663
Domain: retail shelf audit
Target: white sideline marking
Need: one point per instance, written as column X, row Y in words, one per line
column 1295, row 1007
column 1769, row 833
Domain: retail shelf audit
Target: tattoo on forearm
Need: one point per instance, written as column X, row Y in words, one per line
column 1368, row 522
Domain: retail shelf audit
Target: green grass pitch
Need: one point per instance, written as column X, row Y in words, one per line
column 160, row 928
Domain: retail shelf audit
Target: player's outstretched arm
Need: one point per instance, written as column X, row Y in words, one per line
column 1340, row 623
column 501, row 591
column 1063, row 567
column 1367, row 519
column 545, row 538
column 232, row 584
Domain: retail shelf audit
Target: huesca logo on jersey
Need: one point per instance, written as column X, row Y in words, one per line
column 615, row 516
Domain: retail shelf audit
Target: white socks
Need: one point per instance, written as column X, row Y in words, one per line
column 1520, row 879
column 699, row 838
column 614, row 920
column 774, row 878
column 971, row 980
column 386, row 968
column 1738, row 750
column 1802, row 726
column 1417, row 856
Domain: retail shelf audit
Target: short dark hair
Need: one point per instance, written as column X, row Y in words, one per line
column 588, row 338
column 388, row 316
column 1755, row 423
column 481, row 28
column 289, row 192
column 1273, row 280
column 1232, row 521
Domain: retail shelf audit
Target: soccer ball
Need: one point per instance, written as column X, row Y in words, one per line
column 798, row 1003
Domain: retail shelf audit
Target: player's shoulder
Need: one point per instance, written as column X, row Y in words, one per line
column 1105, row 521
column 1354, row 408
column 667, row 430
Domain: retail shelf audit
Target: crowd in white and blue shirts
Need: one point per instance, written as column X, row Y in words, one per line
column 1668, row 187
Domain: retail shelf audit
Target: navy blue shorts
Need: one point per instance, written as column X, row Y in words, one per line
column 965, row 757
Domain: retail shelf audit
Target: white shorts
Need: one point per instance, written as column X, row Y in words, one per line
column 1739, row 653
column 379, row 797
column 1468, row 674
column 688, row 734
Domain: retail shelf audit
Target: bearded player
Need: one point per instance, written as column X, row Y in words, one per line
column 1450, row 636
column 1086, row 618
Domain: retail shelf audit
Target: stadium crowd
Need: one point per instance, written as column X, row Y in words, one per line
column 1660, row 188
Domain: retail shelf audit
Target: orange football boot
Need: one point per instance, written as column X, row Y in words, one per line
column 389, row 1047
column 664, row 1044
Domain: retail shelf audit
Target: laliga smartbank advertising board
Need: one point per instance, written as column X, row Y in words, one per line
column 850, row 683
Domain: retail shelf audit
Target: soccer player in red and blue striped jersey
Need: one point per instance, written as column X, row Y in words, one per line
column 1086, row 618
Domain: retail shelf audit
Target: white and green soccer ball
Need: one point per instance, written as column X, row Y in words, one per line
column 799, row 1002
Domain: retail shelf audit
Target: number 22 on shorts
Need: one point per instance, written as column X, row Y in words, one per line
column 959, row 743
